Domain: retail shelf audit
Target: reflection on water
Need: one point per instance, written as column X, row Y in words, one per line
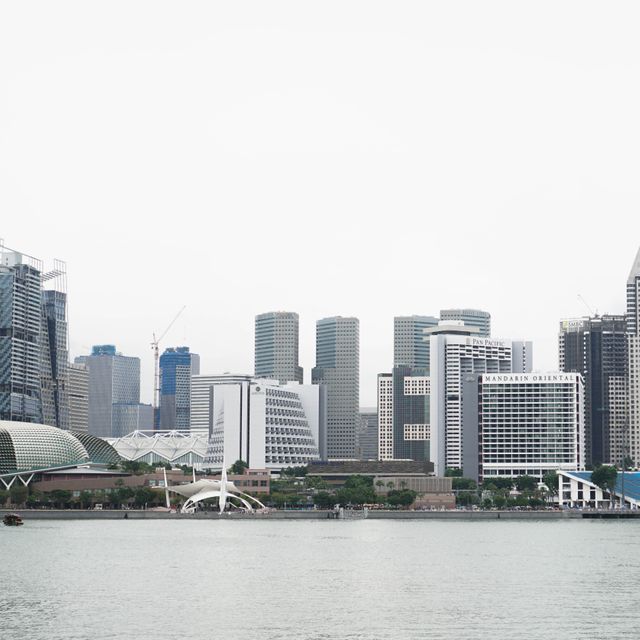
column 319, row 579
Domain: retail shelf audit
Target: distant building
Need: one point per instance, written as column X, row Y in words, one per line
column 265, row 423
column 177, row 365
column 385, row 416
column 33, row 340
column 597, row 348
column 338, row 370
column 276, row 347
column 367, row 435
column 78, row 392
column 471, row 317
column 522, row 424
column 114, row 393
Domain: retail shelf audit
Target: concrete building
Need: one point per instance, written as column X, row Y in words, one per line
column 33, row 340
column 78, row 392
column 367, row 435
column 522, row 424
column 632, row 444
column 276, row 347
column 114, row 393
column 471, row 317
column 338, row 370
column 597, row 348
column 456, row 351
column 265, row 423
column 575, row 489
column 177, row 365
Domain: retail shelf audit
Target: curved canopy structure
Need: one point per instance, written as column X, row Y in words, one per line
column 27, row 447
column 175, row 447
column 203, row 489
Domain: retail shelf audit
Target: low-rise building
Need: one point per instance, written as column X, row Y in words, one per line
column 575, row 489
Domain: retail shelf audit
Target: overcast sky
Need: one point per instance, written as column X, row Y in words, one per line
column 331, row 158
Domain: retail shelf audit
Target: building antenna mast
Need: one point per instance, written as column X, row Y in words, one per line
column 155, row 346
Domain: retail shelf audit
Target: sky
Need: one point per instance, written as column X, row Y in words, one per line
column 365, row 159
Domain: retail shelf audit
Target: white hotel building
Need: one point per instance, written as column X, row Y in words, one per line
column 457, row 351
column 267, row 424
column 527, row 424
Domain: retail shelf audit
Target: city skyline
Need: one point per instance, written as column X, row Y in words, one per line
column 282, row 161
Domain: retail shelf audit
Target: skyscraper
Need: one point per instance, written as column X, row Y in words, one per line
column 177, row 365
column 338, row 368
column 471, row 317
column 276, row 347
column 114, row 393
column 78, row 392
column 33, row 341
column 596, row 348
column 409, row 346
column 633, row 354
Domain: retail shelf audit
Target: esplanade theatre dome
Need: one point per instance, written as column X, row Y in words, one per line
column 27, row 446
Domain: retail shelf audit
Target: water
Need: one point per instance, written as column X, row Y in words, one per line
column 369, row 579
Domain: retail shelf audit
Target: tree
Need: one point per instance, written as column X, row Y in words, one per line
column 464, row 484
column 324, row 500
column 4, row 496
column 143, row 495
column 526, row 483
column 550, row 480
column 402, row 498
column 605, row 476
column 498, row 483
column 18, row 493
column 499, row 501
column 451, row 472
column 238, row 467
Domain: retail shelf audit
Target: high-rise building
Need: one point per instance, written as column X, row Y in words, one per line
column 338, row 368
column 596, row 348
column 33, row 340
column 409, row 346
column 367, row 435
column 78, row 391
column 276, row 347
column 522, row 424
column 470, row 317
column 177, row 365
column 263, row 422
column 456, row 351
column 632, row 444
column 385, row 416
column 114, row 393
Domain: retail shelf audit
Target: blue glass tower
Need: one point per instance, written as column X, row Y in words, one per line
column 177, row 365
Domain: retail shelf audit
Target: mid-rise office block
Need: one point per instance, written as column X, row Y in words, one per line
column 338, row 369
column 597, row 348
column 456, row 351
column 114, row 379
column 276, row 347
column 177, row 365
column 265, row 423
column 471, row 317
column 523, row 424
column 78, row 392
column 367, row 435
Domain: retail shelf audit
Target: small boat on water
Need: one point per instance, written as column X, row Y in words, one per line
column 12, row 520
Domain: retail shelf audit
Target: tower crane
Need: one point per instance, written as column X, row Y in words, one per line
column 155, row 347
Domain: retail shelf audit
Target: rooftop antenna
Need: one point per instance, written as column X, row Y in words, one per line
column 589, row 309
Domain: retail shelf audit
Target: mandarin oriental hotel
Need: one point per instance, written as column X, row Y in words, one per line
column 527, row 424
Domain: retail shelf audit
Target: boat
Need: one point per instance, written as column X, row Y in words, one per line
column 12, row 520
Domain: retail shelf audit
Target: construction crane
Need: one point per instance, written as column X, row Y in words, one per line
column 584, row 302
column 155, row 346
